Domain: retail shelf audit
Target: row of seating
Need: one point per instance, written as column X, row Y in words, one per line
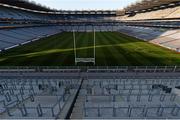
column 89, row 96
column 90, row 69
column 17, row 14
column 90, row 28
column 14, row 37
column 162, row 37
column 10, row 13
column 107, row 98
column 157, row 14
column 34, row 97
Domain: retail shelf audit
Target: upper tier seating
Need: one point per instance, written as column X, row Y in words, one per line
column 11, row 13
column 158, row 14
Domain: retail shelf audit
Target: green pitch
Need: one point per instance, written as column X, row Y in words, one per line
column 112, row 48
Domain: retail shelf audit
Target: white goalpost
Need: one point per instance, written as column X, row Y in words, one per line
column 81, row 59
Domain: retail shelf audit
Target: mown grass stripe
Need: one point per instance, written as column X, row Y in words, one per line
column 116, row 50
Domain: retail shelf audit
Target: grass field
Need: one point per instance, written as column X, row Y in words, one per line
column 112, row 48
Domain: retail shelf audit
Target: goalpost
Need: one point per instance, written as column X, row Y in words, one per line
column 81, row 59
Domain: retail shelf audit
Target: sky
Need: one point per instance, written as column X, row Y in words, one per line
column 86, row 4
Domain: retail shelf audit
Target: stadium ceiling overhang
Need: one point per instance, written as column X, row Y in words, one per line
column 143, row 5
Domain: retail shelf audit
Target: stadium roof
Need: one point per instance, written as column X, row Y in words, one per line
column 148, row 4
column 26, row 4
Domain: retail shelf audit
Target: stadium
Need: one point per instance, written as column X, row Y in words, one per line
column 90, row 64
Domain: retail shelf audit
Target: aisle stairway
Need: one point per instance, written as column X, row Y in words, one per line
column 77, row 112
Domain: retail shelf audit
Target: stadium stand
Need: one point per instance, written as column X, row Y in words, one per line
column 26, row 4
column 98, row 92
column 163, row 37
column 152, row 20
column 98, row 20
column 14, row 13
column 158, row 14
column 130, row 98
column 7, row 12
column 150, row 9
column 22, row 25
column 34, row 97
column 150, row 5
column 12, row 37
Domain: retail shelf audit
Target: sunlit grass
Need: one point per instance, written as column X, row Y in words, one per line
column 34, row 54
column 112, row 48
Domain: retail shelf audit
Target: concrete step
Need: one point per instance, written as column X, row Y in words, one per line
column 77, row 112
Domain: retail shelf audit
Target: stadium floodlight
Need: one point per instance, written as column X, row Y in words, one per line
column 85, row 60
